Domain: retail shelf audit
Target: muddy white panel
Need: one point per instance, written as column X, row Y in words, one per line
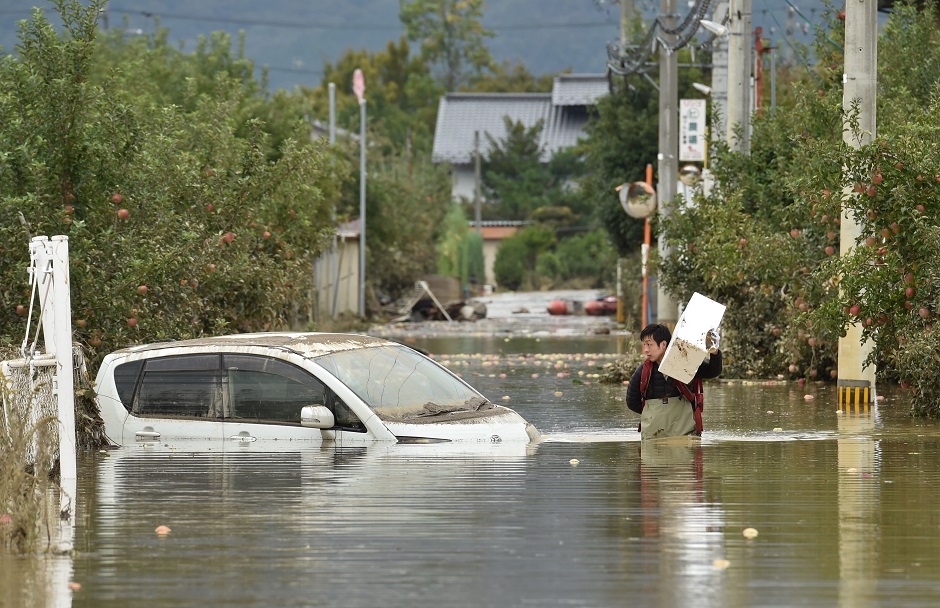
column 687, row 349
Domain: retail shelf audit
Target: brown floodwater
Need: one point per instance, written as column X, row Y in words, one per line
column 844, row 506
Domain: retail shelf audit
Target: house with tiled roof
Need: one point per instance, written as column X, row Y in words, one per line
column 460, row 116
column 564, row 112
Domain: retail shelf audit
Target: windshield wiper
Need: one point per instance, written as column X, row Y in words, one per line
column 474, row 404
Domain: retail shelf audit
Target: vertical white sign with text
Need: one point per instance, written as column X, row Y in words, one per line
column 692, row 143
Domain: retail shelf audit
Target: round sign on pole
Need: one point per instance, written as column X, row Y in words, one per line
column 359, row 84
column 638, row 200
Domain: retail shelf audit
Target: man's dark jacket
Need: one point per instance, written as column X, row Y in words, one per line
column 660, row 386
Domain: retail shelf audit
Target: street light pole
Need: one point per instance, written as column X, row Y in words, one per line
column 667, row 311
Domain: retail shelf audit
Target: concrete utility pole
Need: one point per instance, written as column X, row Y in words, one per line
column 739, row 76
column 857, row 383
column 719, row 94
column 626, row 23
column 667, row 311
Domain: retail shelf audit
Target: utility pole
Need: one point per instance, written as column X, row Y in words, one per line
column 739, row 76
column 477, row 183
column 667, row 311
column 626, row 23
column 856, row 382
column 719, row 94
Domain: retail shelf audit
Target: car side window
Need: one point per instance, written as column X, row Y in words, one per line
column 344, row 417
column 184, row 385
column 125, row 381
column 265, row 389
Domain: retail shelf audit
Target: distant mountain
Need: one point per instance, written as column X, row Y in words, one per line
column 295, row 37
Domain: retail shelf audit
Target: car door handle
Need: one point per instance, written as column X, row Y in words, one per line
column 148, row 435
column 243, row 438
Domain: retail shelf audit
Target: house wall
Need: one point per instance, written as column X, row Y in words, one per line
column 346, row 261
column 463, row 181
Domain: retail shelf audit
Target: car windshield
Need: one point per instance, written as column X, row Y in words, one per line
column 399, row 383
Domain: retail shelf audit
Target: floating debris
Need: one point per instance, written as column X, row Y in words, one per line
column 749, row 533
column 721, row 564
column 558, row 393
column 162, row 530
column 808, row 397
column 574, row 462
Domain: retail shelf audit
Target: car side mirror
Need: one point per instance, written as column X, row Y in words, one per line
column 317, row 417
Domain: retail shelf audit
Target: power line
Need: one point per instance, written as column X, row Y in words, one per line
column 287, row 24
column 343, row 26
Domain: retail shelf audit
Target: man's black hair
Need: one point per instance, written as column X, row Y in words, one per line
column 660, row 333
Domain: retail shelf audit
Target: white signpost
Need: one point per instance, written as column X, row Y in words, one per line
column 692, row 143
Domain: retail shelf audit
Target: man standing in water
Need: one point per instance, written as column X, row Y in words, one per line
column 667, row 407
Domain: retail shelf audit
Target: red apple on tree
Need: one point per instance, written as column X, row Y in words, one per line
column 123, row 214
column 132, row 322
column 117, row 199
column 142, row 290
column 21, row 310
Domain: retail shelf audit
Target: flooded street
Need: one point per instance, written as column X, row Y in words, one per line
column 843, row 505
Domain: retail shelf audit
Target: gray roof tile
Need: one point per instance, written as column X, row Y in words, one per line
column 579, row 89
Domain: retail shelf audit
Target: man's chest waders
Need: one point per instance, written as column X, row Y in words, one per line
column 672, row 417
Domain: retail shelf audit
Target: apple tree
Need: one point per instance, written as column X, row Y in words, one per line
column 181, row 221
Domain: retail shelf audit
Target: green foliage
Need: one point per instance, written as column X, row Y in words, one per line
column 74, row 150
column 510, row 77
column 588, row 257
column 518, row 256
column 517, row 184
column 622, row 140
column 509, row 267
column 160, row 74
column 535, row 258
column 460, row 250
column 405, row 208
column 401, row 92
column 451, row 36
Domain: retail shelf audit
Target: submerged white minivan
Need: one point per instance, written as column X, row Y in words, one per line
column 294, row 387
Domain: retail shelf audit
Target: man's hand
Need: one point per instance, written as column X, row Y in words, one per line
column 712, row 340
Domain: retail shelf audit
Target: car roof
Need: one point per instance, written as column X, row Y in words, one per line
column 307, row 344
